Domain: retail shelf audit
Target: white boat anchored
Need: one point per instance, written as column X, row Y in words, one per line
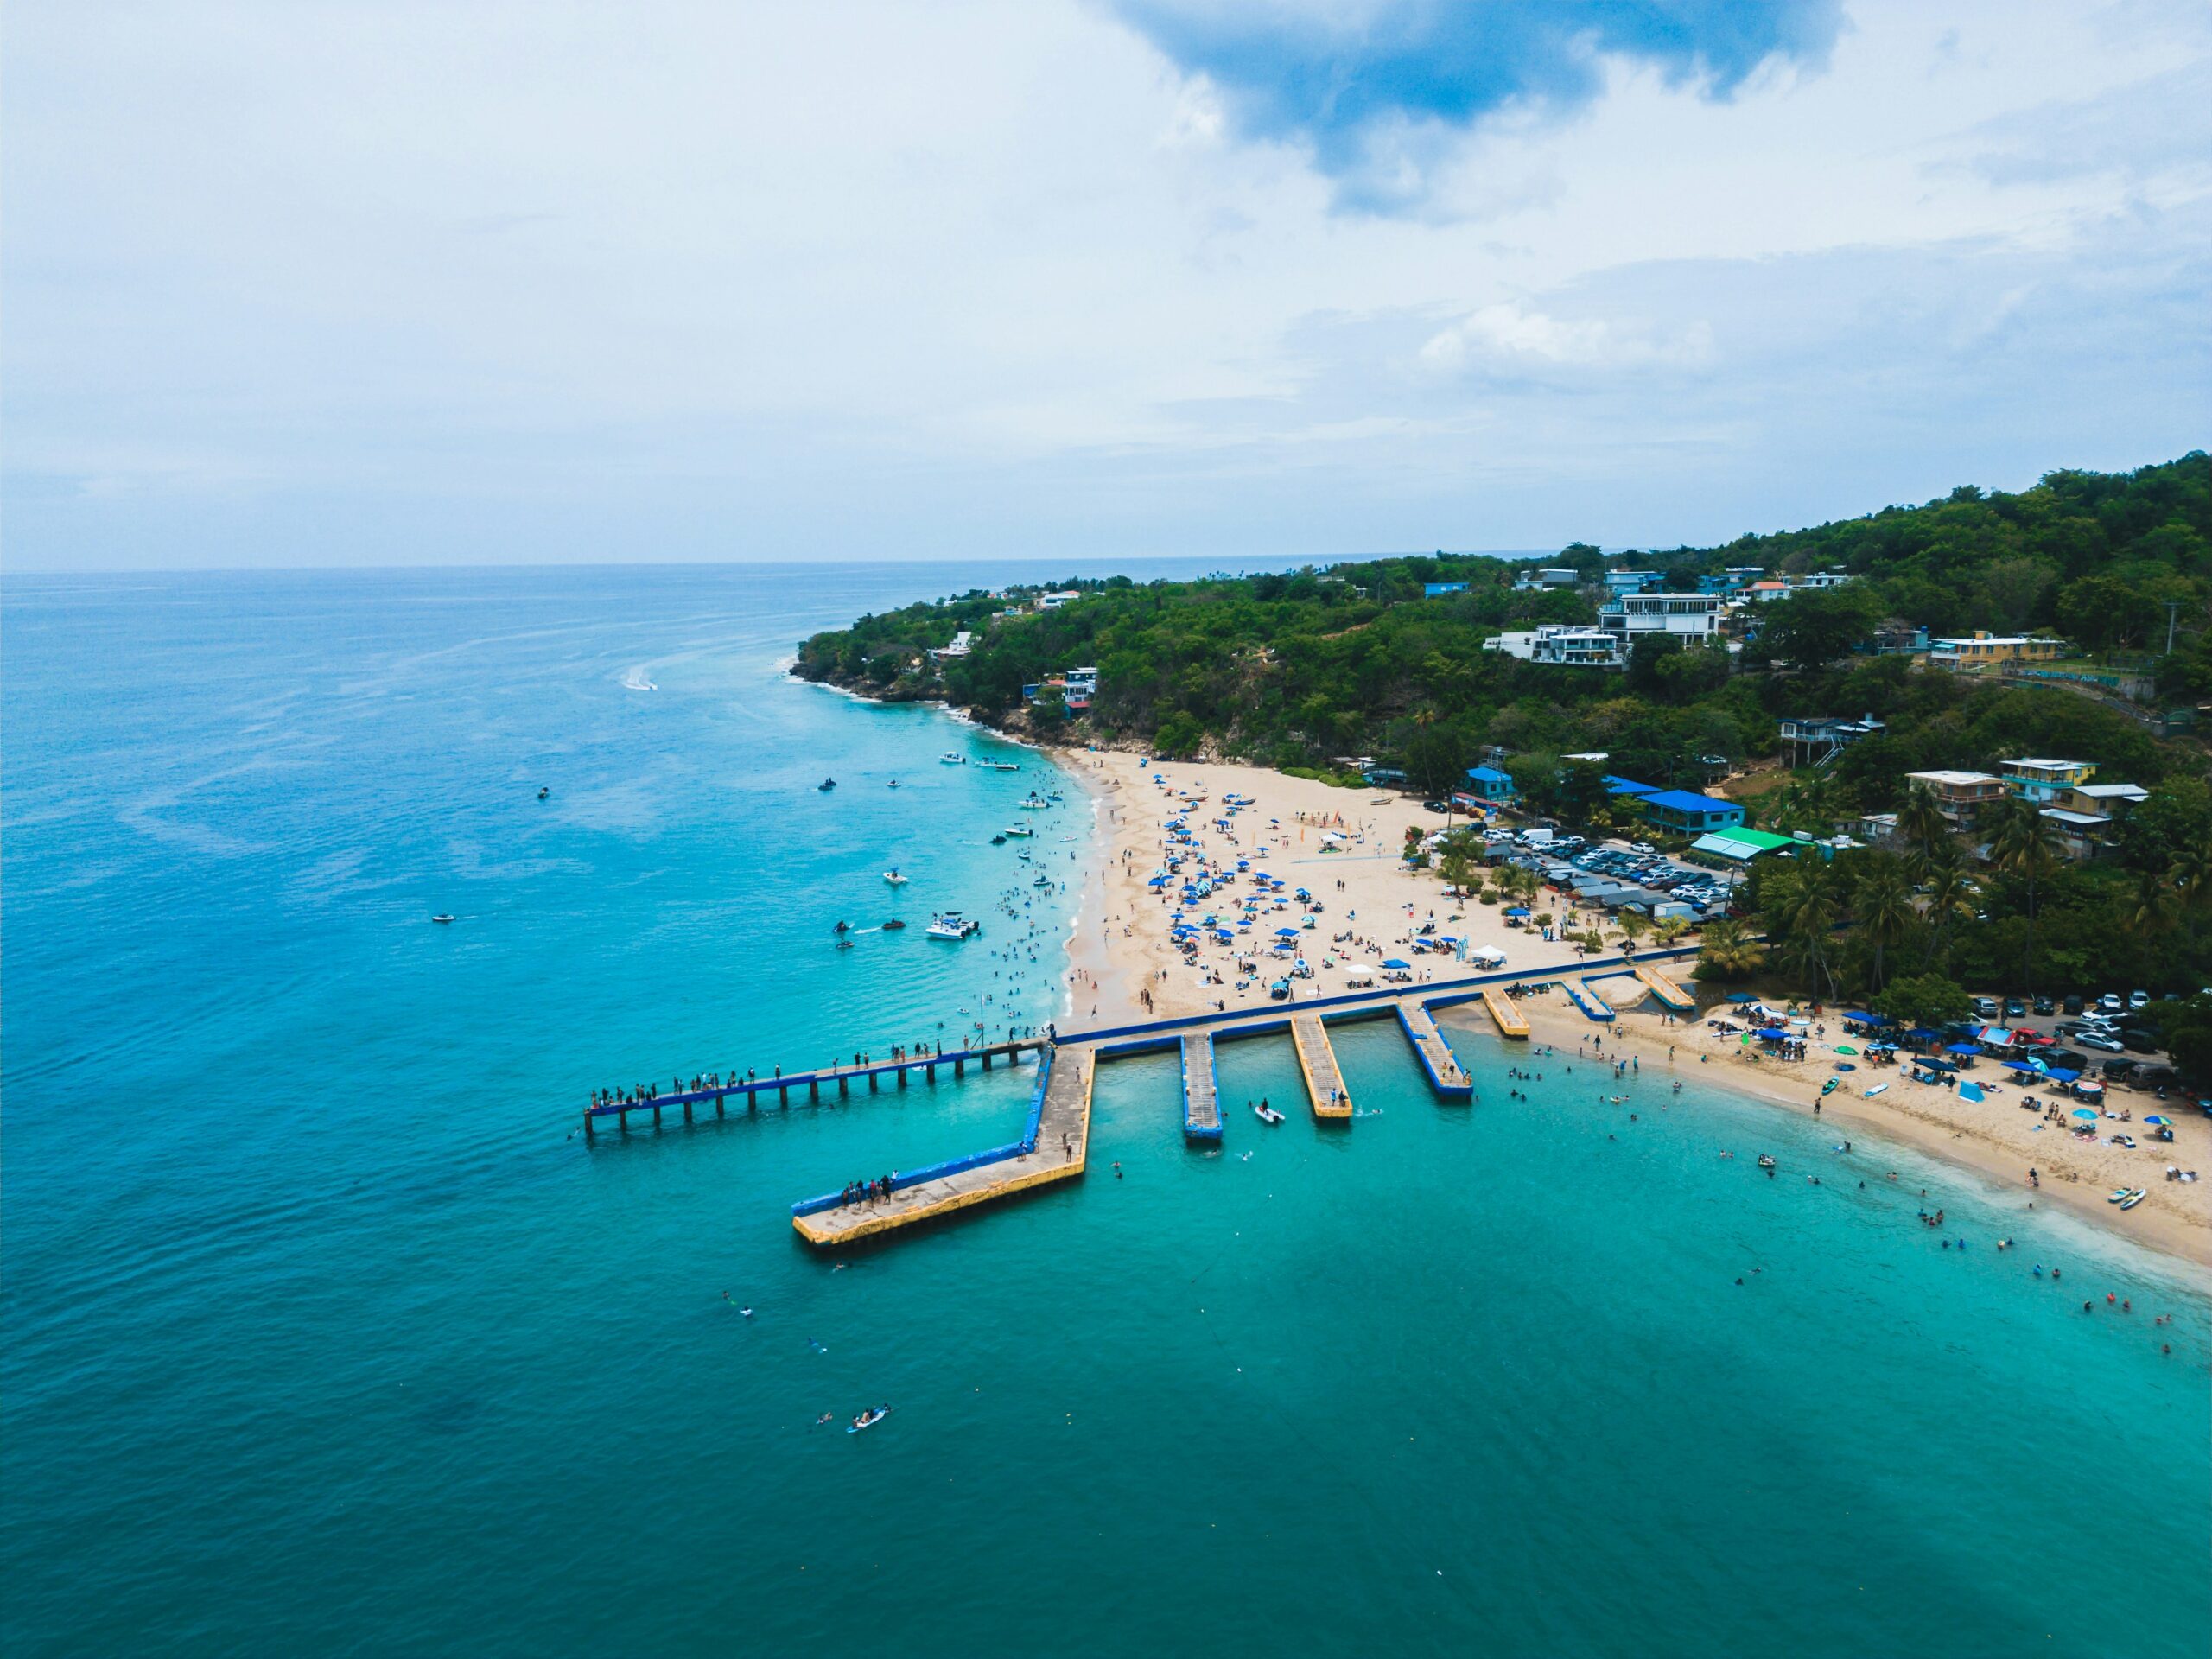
column 999, row 765
column 893, row 876
column 953, row 925
column 1034, row 804
column 952, row 758
column 1018, row 829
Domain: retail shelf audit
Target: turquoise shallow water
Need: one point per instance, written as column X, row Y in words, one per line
column 324, row 1335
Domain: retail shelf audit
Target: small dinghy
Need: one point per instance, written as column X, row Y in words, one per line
column 442, row 920
column 893, row 876
column 1766, row 1160
column 1266, row 1114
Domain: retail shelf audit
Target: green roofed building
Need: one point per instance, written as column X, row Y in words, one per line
column 1740, row 844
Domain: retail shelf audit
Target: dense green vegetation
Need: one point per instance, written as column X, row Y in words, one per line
column 1297, row 669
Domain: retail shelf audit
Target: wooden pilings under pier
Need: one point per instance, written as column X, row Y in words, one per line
column 747, row 1092
column 1317, row 1060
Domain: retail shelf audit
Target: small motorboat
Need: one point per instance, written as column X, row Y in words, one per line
column 827, row 784
column 1033, row 805
column 1019, row 831
column 442, row 920
column 1042, row 881
column 893, row 926
column 867, row 1420
column 953, row 925
column 893, row 876
column 1266, row 1114
column 1001, row 766
column 951, row 758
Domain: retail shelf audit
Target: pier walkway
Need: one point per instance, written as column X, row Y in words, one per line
column 1201, row 1088
column 747, row 1092
column 1434, row 1054
column 1596, row 1006
column 1055, row 1148
column 1664, row 991
column 1316, row 1058
column 1511, row 1022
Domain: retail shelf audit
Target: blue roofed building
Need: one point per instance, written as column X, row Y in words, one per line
column 1488, row 784
column 1627, row 786
column 1694, row 815
column 1435, row 588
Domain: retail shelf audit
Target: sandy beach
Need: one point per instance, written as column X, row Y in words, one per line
column 1120, row 951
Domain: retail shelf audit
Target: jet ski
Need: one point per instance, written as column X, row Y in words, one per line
column 893, row 926
column 827, row 784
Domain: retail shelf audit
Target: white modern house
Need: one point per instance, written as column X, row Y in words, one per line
column 1691, row 618
column 1571, row 644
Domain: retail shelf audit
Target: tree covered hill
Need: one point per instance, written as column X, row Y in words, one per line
column 1292, row 669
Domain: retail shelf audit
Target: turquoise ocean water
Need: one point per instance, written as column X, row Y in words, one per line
column 324, row 1334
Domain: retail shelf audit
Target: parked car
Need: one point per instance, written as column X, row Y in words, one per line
column 1435, row 806
column 2072, row 1005
column 2109, row 1003
column 2116, row 1070
column 2015, row 1010
column 1986, row 1007
column 2138, row 1001
column 2139, row 1042
column 2098, row 1040
column 2043, row 1006
column 2066, row 1059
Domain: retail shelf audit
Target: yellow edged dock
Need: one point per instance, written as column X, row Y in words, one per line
column 1671, row 997
column 1062, row 1143
column 1316, row 1058
column 1511, row 1022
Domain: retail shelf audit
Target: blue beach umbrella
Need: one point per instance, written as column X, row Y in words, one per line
column 1286, row 932
column 2083, row 1111
column 1522, row 910
column 1741, row 996
column 1960, row 1048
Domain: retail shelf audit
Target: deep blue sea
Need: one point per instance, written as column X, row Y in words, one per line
column 325, row 1333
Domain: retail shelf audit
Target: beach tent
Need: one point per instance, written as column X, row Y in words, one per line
column 1517, row 910
column 1961, row 1048
column 1286, row 932
column 1488, row 955
column 1971, row 1091
column 1741, row 996
column 1358, row 970
column 1397, row 964
column 1771, row 1035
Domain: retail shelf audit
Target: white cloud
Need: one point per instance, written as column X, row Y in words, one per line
column 866, row 278
column 1507, row 336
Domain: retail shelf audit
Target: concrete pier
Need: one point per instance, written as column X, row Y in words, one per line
column 1511, row 1022
column 1316, row 1058
column 1664, row 991
column 1058, row 1152
column 1591, row 1004
column 1201, row 1089
column 1435, row 1054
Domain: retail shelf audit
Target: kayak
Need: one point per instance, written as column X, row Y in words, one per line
column 1875, row 1091
column 867, row 1420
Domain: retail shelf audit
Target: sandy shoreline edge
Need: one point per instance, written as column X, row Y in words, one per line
column 1119, row 947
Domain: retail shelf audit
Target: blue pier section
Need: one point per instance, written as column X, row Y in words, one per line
column 1588, row 1000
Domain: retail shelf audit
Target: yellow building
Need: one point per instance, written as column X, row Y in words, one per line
column 1986, row 651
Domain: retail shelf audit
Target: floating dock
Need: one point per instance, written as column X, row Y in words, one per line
column 1435, row 1055
column 1054, row 1148
column 1201, row 1088
column 1589, row 1001
column 1664, row 991
column 1511, row 1022
column 1316, row 1058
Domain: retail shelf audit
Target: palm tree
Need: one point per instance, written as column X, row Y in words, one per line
column 2191, row 871
column 1921, row 823
column 1668, row 929
column 1729, row 951
column 2156, row 904
column 1886, row 913
column 1949, row 892
column 2024, row 842
column 1803, row 905
column 1632, row 927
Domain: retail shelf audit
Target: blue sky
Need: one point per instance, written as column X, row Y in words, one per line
column 292, row 284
